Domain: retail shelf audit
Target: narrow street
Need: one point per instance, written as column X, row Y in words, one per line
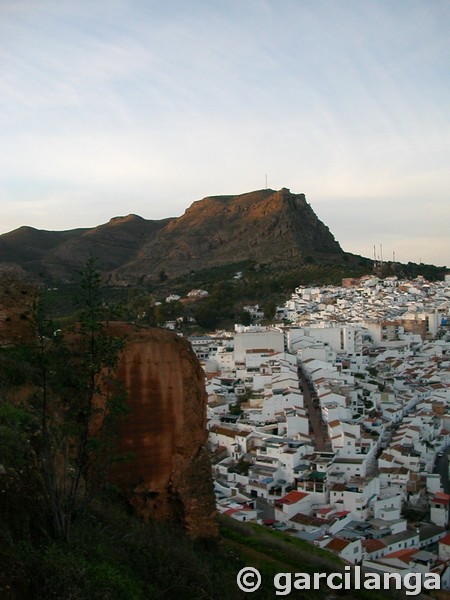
column 266, row 509
column 441, row 467
column 318, row 428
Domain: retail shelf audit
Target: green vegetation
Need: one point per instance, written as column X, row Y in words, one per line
column 76, row 404
column 289, row 550
column 412, row 270
column 59, row 407
column 267, row 285
column 112, row 555
column 271, row 552
column 227, row 293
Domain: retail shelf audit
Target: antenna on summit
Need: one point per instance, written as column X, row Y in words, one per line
column 266, row 182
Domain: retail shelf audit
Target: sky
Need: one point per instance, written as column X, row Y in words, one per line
column 144, row 106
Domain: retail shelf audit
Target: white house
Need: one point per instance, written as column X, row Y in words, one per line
column 349, row 550
column 292, row 503
column 439, row 509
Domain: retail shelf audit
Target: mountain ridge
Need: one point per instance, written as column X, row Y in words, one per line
column 266, row 226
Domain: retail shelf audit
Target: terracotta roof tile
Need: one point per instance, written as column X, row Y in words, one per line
column 337, row 544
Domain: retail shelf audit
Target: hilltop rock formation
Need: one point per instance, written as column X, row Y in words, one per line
column 265, row 226
column 273, row 227
column 169, row 476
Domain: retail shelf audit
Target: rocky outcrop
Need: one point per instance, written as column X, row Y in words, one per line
column 169, row 474
column 265, row 226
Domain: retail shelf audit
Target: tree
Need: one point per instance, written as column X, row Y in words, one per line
column 269, row 309
column 78, row 402
column 244, row 317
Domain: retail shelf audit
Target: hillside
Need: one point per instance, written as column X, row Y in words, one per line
column 269, row 227
column 114, row 556
column 58, row 255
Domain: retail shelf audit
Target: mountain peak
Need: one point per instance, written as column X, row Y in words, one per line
column 274, row 227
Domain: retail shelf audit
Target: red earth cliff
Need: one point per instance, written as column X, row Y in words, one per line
column 169, row 476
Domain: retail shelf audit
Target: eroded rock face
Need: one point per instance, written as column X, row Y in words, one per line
column 169, row 476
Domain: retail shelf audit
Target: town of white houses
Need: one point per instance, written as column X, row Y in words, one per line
column 333, row 423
